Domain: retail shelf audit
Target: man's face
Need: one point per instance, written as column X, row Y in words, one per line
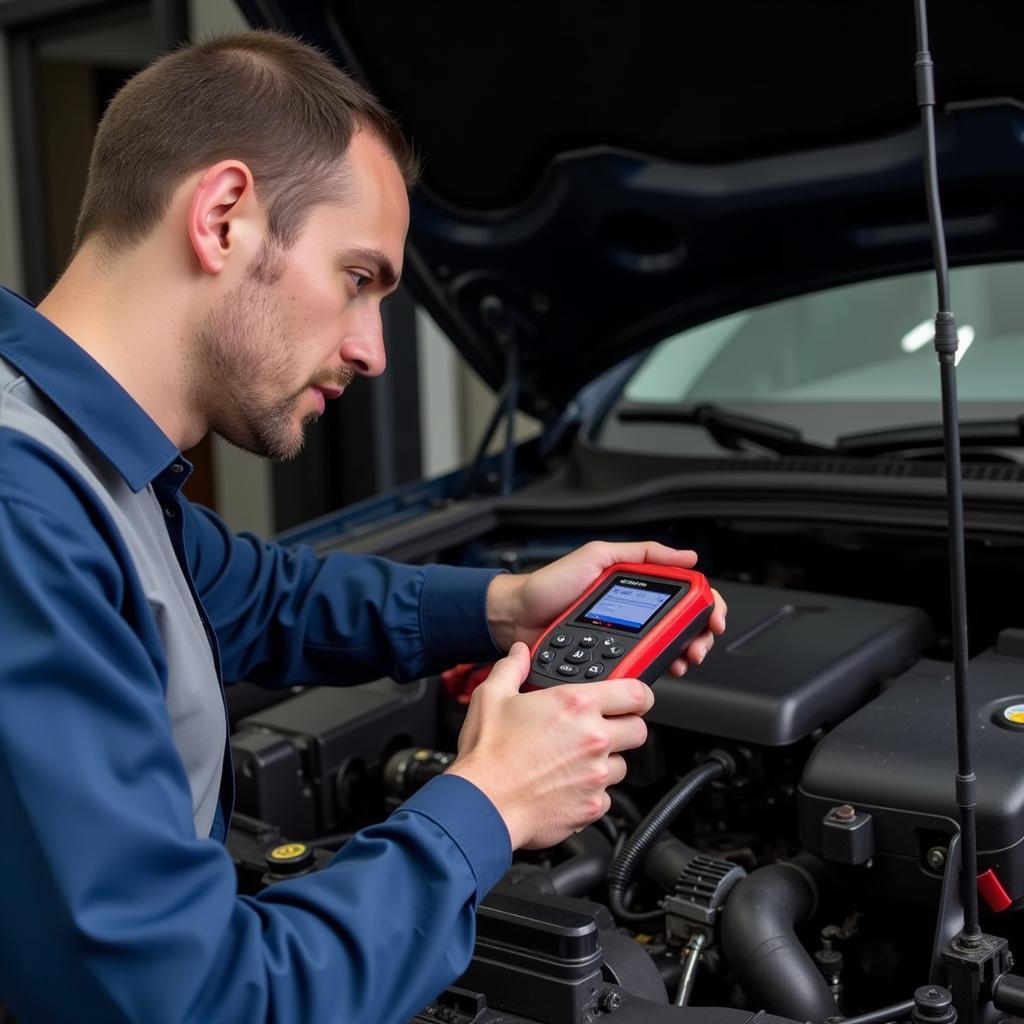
column 306, row 321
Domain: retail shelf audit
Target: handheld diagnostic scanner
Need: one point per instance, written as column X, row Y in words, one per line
column 632, row 623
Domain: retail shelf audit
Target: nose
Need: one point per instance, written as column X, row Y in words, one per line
column 362, row 347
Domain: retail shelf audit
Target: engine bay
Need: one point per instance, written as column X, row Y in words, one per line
column 785, row 841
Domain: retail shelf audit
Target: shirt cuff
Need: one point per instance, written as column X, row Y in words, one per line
column 457, row 806
column 453, row 615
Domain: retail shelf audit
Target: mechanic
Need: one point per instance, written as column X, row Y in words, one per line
column 244, row 218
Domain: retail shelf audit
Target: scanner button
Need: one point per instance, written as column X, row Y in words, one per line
column 609, row 641
column 594, row 671
column 546, row 657
column 561, row 639
column 578, row 656
column 567, row 670
column 613, row 651
column 588, row 640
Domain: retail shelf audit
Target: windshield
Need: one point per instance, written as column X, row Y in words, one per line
column 847, row 359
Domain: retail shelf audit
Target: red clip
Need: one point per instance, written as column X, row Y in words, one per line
column 992, row 891
column 460, row 681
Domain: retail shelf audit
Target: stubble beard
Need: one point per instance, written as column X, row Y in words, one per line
column 244, row 350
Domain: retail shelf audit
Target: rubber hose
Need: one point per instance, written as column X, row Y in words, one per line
column 625, row 806
column 647, row 832
column 666, row 860
column 586, row 868
column 759, row 938
column 332, row 843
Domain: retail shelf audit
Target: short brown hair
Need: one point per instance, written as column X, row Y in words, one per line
column 263, row 97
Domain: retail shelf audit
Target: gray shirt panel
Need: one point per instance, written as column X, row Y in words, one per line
column 193, row 693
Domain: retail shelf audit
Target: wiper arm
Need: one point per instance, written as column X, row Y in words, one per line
column 738, row 432
column 973, row 433
column 731, row 430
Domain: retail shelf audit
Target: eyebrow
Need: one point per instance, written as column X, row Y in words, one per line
column 384, row 267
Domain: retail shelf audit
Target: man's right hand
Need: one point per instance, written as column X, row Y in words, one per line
column 546, row 758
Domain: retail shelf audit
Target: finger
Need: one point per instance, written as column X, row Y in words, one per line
column 698, row 649
column 645, row 551
column 615, row 696
column 717, row 621
column 509, row 674
column 625, row 732
column 616, row 769
column 678, row 667
column 603, row 806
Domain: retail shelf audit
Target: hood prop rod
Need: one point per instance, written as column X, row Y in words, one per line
column 946, row 344
column 974, row 962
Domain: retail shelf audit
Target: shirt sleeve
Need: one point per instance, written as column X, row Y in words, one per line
column 286, row 616
column 114, row 911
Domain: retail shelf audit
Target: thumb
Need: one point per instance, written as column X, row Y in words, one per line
column 509, row 674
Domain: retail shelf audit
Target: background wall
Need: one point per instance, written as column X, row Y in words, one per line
column 77, row 69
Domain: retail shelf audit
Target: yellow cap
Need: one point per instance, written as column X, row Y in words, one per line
column 287, row 851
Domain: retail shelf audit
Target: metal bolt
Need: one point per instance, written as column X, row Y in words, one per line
column 844, row 813
column 610, row 1001
column 936, row 858
column 933, row 1004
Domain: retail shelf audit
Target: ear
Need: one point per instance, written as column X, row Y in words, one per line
column 223, row 215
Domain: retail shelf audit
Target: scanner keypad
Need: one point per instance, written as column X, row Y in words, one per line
column 588, row 655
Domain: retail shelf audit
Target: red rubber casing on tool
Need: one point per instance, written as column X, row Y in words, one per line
column 647, row 653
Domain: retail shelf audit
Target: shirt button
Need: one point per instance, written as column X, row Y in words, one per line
column 169, row 512
column 177, row 467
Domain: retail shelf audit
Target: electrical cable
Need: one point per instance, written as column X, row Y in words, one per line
column 620, row 874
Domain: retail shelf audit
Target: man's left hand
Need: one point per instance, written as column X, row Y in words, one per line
column 521, row 607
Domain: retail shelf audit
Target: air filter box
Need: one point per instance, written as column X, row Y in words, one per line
column 310, row 763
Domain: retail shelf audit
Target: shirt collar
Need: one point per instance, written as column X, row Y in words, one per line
column 70, row 378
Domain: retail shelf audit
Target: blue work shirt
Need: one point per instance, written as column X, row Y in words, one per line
column 114, row 909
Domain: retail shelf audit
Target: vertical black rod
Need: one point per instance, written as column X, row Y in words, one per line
column 946, row 344
column 485, row 442
column 508, row 455
column 965, row 782
column 170, row 23
column 926, row 101
column 28, row 151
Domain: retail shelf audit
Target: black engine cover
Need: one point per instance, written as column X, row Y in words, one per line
column 790, row 662
column 896, row 760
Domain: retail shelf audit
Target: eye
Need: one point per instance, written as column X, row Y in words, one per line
column 360, row 279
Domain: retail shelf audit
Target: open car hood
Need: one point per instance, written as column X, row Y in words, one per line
column 599, row 176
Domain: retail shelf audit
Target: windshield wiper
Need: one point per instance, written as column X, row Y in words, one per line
column 741, row 433
column 731, row 430
column 973, row 433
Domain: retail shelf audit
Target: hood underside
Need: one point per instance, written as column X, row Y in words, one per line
column 598, row 176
